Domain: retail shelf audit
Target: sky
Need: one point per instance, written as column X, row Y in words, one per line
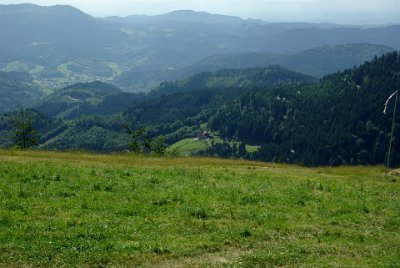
column 332, row 11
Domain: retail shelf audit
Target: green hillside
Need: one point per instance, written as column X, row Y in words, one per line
column 82, row 99
column 91, row 115
column 337, row 121
column 188, row 146
column 17, row 89
column 256, row 77
column 75, row 209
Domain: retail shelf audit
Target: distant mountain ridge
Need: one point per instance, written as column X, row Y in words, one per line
column 62, row 45
column 188, row 16
column 315, row 62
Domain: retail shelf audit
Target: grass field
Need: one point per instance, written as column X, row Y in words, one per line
column 77, row 209
column 188, row 146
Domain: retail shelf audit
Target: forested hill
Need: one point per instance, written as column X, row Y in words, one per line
column 17, row 89
column 336, row 121
column 91, row 113
column 257, row 77
column 82, row 99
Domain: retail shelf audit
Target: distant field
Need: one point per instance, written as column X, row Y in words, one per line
column 252, row 148
column 78, row 209
column 188, row 146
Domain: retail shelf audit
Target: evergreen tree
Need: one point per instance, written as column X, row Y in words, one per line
column 25, row 136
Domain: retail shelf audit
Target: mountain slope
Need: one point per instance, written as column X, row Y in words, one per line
column 230, row 78
column 316, row 62
column 35, row 32
column 17, row 89
column 324, row 60
column 57, row 44
column 95, row 109
column 82, row 99
column 336, row 121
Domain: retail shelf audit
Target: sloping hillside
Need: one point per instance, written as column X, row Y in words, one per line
column 17, row 89
column 82, row 99
column 336, row 121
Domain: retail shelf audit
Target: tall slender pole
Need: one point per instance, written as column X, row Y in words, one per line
column 391, row 134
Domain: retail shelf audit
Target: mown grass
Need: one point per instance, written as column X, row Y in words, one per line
column 78, row 209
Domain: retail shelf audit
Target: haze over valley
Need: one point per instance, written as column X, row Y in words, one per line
column 60, row 45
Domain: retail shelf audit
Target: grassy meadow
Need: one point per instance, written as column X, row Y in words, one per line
column 188, row 146
column 78, row 209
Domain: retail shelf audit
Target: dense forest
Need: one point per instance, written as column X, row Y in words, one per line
column 336, row 121
column 290, row 117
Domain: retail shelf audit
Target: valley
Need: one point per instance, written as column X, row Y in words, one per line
column 138, row 53
column 286, row 116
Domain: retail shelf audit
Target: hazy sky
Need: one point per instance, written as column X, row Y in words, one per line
column 338, row 11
